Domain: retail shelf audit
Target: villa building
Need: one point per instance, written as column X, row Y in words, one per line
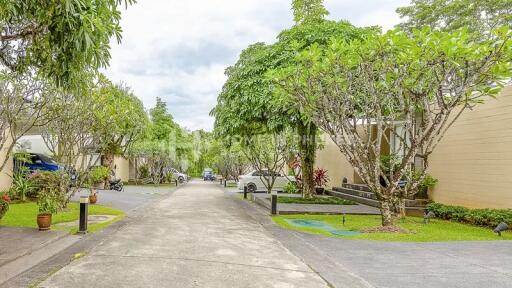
column 473, row 162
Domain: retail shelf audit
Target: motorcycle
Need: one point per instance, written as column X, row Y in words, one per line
column 116, row 185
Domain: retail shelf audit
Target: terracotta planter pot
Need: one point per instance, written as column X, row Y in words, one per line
column 93, row 198
column 319, row 190
column 44, row 221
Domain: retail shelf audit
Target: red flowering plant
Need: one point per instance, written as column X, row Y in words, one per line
column 320, row 177
column 4, row 204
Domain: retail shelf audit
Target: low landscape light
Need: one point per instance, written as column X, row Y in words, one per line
column 427, row 216
column 501, row 228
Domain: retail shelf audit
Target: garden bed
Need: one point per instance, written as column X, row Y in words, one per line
column 314, row 200
column 436, row 230
column 25, row 214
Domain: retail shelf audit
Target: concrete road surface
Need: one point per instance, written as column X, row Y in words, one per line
column 197, row 237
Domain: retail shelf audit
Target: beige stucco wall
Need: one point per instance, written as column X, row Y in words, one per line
column 474, row 161
column 122, row 168
column 5, row 174
column 331, row 159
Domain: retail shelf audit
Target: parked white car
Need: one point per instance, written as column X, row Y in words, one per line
column 254, row 181
column 182, row 177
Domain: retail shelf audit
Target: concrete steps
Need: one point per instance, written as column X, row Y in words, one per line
column 361, row 195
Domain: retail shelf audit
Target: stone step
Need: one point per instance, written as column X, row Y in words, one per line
column 413, row 207
column 371, row 195
column 354, row 192
column 358, row 187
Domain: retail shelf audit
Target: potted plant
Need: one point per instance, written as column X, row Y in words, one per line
column 97, row 177
column 320, row 178
column 48, row 204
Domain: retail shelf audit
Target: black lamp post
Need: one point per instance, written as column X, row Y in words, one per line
column 84, row 211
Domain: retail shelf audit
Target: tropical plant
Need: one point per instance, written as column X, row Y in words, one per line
column 267, row 153
column 250, row 104
column 23, row 186
column 480, row 16
column 357, row 91
column 4, row 204
column 56, row 183
column 61, row 38
column 290, row 188
column 98, row 175
column 48, row 202
column 321, row 177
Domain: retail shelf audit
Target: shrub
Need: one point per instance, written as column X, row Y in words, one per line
column 4, row 204
column 23, row 186
column 55, row 183
column 481, row 217
column 290, row 188
column 320, row 177
column 98, row 175
column 48, row 202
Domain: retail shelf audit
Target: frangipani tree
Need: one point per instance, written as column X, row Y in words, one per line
column 59, row 39
column 397, row 87
column 25, row 103
column 480, row 16
column 267, row 153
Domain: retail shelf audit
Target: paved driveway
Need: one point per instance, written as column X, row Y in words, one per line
column 131, row 197
column 197, row 237
column 467, row 264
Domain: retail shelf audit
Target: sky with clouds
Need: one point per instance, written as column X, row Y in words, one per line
column 178, row 50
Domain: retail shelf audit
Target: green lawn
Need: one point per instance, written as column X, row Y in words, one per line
column 25, row 215
column 314, row 200
column 437, row 230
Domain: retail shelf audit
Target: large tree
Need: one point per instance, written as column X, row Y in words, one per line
column 60, row 38
column 120, row 119
column 25, row 102
column 249, row 104
column 409, row 87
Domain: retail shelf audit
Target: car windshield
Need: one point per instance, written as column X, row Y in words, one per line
column 46, row 159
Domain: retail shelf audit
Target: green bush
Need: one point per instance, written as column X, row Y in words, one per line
column 290, row 188
column 98, row 175
column 481, row 217
column 4, row 204
column 48, row 201
column 23, row 185
column 55, row 183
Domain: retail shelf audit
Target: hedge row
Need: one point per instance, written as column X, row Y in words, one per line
column 481, row 217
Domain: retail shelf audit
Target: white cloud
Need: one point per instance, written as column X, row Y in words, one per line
column 178, row 50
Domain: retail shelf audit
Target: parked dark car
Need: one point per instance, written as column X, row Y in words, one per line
column 208, row 175
column 41, row 162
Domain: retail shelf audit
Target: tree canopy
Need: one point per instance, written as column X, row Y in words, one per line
column 58, row 38
column 478, row 16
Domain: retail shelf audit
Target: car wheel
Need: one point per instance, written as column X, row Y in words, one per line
column 181, row 180
column 251, row 188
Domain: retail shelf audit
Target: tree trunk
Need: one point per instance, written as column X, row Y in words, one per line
column 307, row 151
column 108, row 161
column 387, row 210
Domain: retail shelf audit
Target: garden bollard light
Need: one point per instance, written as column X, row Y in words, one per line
column 273, row 202
column 245, row 192
column 176, row 181
column 225, row 183
column 84, row 207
